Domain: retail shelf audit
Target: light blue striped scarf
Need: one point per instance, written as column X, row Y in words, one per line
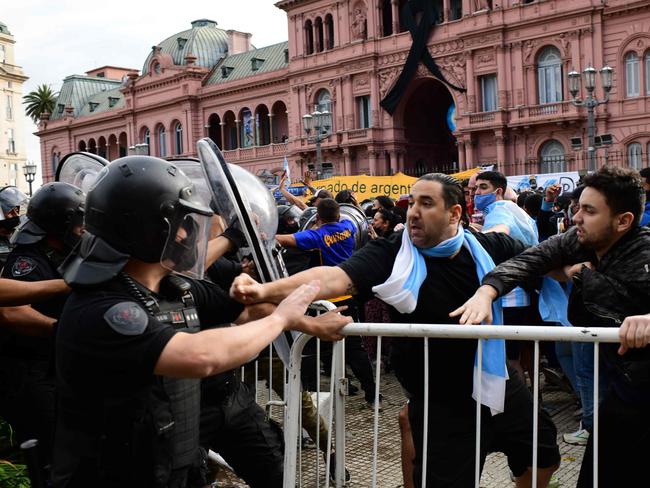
column 402, row 288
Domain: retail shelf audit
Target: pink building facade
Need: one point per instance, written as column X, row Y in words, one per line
column 509, row 57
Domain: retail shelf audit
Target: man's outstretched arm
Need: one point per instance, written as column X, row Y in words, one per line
column 334, row 282
column 14, row 293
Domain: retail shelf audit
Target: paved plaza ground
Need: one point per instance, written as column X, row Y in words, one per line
column 359, row 440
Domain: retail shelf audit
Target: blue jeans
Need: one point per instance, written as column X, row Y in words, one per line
column 583, row 362
column 564, row 354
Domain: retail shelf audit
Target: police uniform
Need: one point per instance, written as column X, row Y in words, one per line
column 27, row 386
column 119, row 424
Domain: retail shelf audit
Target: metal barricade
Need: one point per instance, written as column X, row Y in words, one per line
column 425, row 331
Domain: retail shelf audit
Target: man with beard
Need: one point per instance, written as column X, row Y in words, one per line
column 606, row 256
column 424, row 273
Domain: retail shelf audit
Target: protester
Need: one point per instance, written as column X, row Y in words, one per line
column 436, row 242
column 605, row 257
column 645, row 181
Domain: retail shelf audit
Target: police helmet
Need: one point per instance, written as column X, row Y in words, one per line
column 287, row 213
column 56, row 209
column 12, row 203
column 141, row 207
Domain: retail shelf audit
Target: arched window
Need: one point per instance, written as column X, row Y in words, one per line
column 635, row 155
column 549, row 75
column 56, row 157
column 178, row 139
column 632, row 75
column 162, row 142
column 309, row 37
column 329, row 32
column 386, row 18
column 323, row 101
column 647, row 73
column 552, row 157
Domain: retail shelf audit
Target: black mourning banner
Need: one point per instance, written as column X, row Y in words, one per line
column 420, row 34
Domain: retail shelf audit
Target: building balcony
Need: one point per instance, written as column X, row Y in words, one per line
column 256, row 152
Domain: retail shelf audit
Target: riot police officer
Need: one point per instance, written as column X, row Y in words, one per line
column 49, row 231
column 129, row 341
column 11, row 201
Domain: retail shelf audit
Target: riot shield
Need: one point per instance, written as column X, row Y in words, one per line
column 243, row 200
column 80, row 169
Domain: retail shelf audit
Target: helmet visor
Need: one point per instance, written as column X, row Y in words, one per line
column 187, row 245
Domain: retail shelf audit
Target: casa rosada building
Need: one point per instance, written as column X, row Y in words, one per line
column 500, row 93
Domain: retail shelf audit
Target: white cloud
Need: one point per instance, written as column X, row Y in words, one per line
column 57, row 39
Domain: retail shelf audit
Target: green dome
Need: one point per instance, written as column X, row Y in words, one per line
column 4, row 29
column 204, row 40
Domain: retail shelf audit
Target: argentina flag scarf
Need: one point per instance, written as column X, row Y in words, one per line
column 402, row 288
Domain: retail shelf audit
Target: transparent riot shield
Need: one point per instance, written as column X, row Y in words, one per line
column 80, row 169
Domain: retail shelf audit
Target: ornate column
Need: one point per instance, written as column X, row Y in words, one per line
column 461, row 155
column 394, row 8
column 372, row 161
column 347, row 163
column 348, row 102
column 375, row 97
column 502, row 78
column 467, row 8
column 238, row 124
column 471, row 82
column 270, row 127
column 394, row 164
column 446, row 11
column 470, row 158
column 222, row 126
column 500, row 138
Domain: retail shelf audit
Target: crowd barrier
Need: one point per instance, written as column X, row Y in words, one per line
column 338, row 388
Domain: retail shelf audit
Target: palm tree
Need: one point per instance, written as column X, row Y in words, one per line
column 39, row 101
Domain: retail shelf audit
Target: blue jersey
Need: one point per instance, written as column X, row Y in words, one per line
column 335, row 241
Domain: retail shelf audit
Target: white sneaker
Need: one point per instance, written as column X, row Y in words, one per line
column 578, row 438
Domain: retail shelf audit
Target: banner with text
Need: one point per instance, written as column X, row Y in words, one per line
column 568, row 181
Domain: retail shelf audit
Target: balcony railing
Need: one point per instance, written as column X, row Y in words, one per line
column 482, row 118
column 246, row 153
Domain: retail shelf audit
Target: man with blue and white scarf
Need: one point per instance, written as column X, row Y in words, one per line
column 425, row 273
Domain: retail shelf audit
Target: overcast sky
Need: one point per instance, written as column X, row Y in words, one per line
column 57, row 39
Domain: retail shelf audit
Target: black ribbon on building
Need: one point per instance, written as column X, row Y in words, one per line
column 420, row 34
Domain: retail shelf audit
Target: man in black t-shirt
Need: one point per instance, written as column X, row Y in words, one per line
column 436, row 207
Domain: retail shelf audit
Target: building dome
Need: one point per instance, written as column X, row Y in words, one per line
column 4, row 29
column 204, row 40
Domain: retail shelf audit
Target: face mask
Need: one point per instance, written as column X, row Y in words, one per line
column 481, row 202
column 9, row 224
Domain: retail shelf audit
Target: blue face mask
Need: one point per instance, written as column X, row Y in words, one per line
column 481, row 202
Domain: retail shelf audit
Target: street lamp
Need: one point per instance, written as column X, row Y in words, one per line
column 321, row 125
column 29, row 170
column 590, row 102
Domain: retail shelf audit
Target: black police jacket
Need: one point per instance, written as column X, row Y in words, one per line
column 144, row 437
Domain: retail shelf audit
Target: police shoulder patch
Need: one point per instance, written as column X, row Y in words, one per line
column 127, row 318
column 23, row 266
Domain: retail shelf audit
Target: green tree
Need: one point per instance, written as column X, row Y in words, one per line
column 39, row 101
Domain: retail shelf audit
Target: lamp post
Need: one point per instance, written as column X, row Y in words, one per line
column 321, row 125
column 29, row 170
column 591, row 102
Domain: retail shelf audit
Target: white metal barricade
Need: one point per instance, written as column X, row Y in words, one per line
column 425, row 331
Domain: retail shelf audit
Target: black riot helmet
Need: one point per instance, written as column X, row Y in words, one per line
column 57, row 210
column 288, row 219
column 11, row 201
column 141, row 207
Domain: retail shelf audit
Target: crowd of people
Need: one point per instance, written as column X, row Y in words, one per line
column 116, row 350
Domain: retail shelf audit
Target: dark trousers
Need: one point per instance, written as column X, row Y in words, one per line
column 235, row 426
column 27, row 401
column 623, row 445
